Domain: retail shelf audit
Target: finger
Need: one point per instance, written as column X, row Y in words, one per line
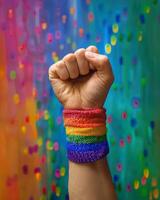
column 52, row 74
column 72, row 65
column 102, row 65
column 94, row 50
column 62, row 70
column 82, row 62
column 58, row 70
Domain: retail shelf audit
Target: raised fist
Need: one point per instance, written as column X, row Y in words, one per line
column 82, row 79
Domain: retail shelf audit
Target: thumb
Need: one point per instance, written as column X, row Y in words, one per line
column 101, row 64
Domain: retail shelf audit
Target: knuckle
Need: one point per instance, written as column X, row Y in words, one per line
column 80, row 52
column 104, row 60
column 50, row 69
column 93, row 48
column 59, row 64
column 69, row 57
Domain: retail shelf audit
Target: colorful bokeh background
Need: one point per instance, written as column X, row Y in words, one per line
column 36, row 34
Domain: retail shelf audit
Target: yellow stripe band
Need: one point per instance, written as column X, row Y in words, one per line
column 96, row 131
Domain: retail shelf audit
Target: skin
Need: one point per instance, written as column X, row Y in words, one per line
column 82, row 80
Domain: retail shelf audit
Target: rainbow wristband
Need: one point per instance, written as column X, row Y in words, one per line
column 86, row 134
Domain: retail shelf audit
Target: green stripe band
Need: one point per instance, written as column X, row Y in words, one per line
column 85, row 139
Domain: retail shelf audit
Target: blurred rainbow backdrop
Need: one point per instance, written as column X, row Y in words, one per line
column 35, row 34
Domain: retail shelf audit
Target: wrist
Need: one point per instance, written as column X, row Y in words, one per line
column 81, row 104
column 86, row 134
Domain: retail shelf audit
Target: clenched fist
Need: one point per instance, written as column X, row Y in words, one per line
column 82, row 79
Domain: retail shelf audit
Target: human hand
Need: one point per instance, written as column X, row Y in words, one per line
column 82, row 79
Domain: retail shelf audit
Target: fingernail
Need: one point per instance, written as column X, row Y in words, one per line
column 90, row 54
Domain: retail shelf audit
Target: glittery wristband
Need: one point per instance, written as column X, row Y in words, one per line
column 86, row 134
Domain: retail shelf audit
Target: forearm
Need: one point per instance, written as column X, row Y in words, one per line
column 90, row 181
